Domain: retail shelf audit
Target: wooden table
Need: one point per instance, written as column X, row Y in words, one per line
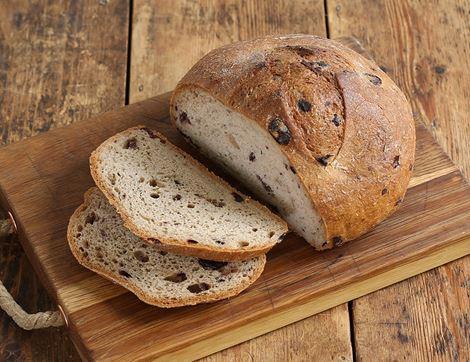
column 62, row 62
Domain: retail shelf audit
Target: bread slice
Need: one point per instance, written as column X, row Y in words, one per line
column 101, row 243
column 308, row 125
column 167, row 198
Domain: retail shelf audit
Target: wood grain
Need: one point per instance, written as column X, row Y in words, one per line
column 60, row 62
column 168, row 37
column 47, row 184
column 323, row 337
column 426, row 317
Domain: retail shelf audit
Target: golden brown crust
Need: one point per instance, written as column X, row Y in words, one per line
column 181, row 247
column 149, row 299
column 352, row 131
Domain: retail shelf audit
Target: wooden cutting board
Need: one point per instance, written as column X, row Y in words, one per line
column 42, row 181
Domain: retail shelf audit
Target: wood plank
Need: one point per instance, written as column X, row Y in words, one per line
column 297, row 282
column 323, row 337
column 168, row 37
column 426, row 317
column 60, row 62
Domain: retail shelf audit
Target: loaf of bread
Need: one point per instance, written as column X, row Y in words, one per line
column 167, row 198
column 309, row 125
column 100, row 242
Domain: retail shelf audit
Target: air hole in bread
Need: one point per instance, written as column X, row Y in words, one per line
column 219, row 242
column 77, row 235
column 191, row 241
column 156, row 183
column 79, row 228
column 244, row 243
column 211, row 265
column 271, row 234
column 176, row 278
column 217, row 203
column 112, row 178
column 86, row 244
column 255, row 229
column 198, row 288
column 191, row 206
column 141, row 179
column 154, row 195
column 162, row 253
column 131, row 143
column 124, row 274
column 91, row 218
column 141, row 256
column 177, row 197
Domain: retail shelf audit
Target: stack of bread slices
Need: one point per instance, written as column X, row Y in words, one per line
column 162, row 225
column 309, row 126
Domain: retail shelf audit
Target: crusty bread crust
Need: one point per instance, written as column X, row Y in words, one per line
column 147, row 298
column 176, row 246
column 352, row 146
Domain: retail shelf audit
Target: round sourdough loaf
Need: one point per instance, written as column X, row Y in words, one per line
column 309, row 125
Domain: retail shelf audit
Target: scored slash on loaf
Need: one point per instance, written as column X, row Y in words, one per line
column 167, row 198
column 100, row 242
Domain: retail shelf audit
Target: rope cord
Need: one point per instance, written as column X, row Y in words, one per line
column 22, row 319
